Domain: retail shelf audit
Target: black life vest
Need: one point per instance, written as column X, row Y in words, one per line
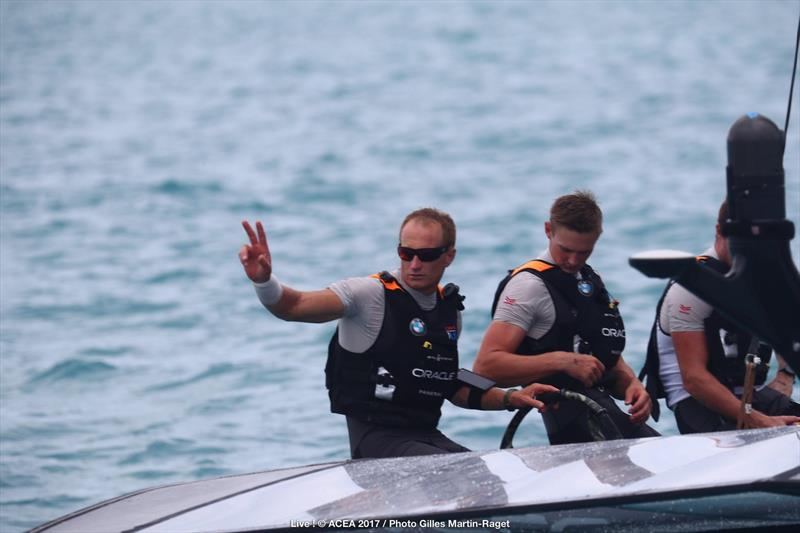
column 727, row 346
column 587, row 319
column 405, row 376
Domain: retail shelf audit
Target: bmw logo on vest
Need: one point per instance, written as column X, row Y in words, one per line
column 585, row 287
column 417, row 326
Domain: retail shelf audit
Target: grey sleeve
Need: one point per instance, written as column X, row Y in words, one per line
column 363, row 301
column 526, row 303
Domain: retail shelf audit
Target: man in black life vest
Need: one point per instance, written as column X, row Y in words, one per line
column 554, row 322
column 696, row 360
column 393, row 359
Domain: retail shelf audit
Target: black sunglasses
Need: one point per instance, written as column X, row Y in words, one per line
column 425, row 255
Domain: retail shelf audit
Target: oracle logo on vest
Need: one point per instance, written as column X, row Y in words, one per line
column 430, row 374
column 613, row 332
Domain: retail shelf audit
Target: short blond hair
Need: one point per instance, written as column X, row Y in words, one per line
column 432, row 214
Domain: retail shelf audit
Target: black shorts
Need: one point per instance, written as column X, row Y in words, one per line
column 372, row 440
column 694, row 417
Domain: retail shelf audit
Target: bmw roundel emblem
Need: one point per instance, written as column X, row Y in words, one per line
column 417, row 326
column 585, row 287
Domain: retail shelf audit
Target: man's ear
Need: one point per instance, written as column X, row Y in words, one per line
column 450, row 255
column 548, row 229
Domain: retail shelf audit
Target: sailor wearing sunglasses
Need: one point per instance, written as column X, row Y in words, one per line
column 393, row 359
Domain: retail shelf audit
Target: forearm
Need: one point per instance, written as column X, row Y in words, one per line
column 293, row 305
column 692, row 353
column 491, row 400
column 277, row 298
column 706, row 389
column 286, row 308
column 509, row 370
column 623, row 377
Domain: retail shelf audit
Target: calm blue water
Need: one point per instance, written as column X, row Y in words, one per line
column 137, row 135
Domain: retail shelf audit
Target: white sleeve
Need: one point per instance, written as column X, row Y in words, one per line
column 682, row 311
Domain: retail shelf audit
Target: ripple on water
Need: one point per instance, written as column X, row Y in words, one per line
column 212, row 372
column 74, row 370
column 170, row 449
column 44, row 432
column 224, row 406
column 187, row 189
column 177, row 274
column 99, row 307
column 107, row 351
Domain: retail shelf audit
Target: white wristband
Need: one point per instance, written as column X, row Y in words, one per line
column 270, row 291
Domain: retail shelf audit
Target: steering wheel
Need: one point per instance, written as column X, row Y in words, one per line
column 601, row 426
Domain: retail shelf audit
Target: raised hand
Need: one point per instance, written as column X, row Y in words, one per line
column 255, row 257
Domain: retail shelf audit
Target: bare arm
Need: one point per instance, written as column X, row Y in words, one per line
column 628, row 388
column 496, row 360
column 492, row 400
column 308, row 306
column 302, row 306
column 690, row 347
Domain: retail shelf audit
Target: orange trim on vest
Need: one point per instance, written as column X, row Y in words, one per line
column 536, row 264
column 389, row 285
column 394, row 286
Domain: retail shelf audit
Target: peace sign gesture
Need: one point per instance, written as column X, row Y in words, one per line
column 255, row 257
